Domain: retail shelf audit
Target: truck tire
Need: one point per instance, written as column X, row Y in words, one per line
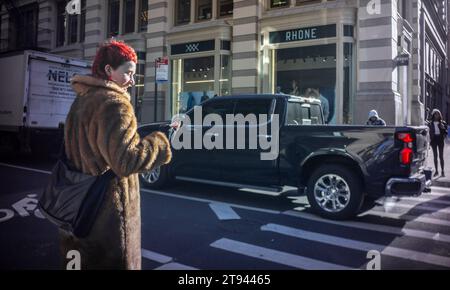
column 155, row 179
column 335, row 192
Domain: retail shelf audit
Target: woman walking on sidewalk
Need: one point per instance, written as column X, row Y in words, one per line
column 438, row 133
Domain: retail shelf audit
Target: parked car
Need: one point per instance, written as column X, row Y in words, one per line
column 336, row 166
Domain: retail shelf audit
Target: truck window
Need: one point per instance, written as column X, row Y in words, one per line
column 303, row 114
column 219, row 107
column 256, row 107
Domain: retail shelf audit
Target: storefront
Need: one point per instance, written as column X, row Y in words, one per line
column 319, row 59
column 199, row 71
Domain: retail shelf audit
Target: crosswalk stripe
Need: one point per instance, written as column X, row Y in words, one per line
column 391, row 205
column 440, row 189
column 175, row 266
column 224, row 211
column 155, row 256
column 407, row 217
column 375, row 227
column 427, row 200
column 359, row 245
column 275, row 256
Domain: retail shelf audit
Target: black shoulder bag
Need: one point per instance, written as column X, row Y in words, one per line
column 72, row 199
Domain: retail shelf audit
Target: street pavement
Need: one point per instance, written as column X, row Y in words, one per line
column 193, row 226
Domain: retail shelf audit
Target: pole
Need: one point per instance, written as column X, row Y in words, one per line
column 156, row 90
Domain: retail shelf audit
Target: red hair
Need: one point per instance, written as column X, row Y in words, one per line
column 114, row 53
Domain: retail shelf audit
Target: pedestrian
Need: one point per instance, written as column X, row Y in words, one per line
column 374, row 119
column 101, row 134
column 295, row 89
column 314, row 93
column 438, row 132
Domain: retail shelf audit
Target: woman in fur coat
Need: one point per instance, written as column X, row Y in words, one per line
column 101, row 133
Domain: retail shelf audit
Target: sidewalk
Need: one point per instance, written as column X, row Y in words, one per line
column 441, row 181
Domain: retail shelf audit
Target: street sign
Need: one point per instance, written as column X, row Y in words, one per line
column 402, row 60
column 162, row 69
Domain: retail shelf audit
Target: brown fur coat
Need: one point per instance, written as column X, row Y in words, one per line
column 101, row 133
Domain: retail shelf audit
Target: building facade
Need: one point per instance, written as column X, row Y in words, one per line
column 388, row 55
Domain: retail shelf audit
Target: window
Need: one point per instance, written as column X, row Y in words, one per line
column 143, row 16
column 23, row 27
column 225, row 79
column 73, row 28
column 256, row 107
column 128, row 16
column 303, row 114
column 183, row 12
column 113, row 12
column 225, row 8
column 307, row 2
column 309, row 71
column 83, row 20
column 219, row 107
column 279, row 3
column 204, row 9
column 193, row 82
column 61, row 23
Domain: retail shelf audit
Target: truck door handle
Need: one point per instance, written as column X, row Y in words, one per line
column 212, row 134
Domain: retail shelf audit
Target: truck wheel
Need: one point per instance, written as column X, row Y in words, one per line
column 155, row 179
column 335, row 192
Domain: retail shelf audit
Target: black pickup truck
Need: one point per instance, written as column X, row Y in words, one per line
column 336, row 166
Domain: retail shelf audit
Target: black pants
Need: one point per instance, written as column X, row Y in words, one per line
column 435, row 146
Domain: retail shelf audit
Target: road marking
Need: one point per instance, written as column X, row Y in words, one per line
column 275, row 256
column 358, row 245
column 175, row 266
column 410, row 218
column 175, row 195
column 438, row 190
column 425, row 200
column 224, row 211
column 153, row 256
column 374, row 227
column 390, row 205
column 25, row 168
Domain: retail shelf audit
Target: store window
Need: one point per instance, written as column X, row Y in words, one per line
column 113, row 12
column 307, row 2
column 307, row 71
column 204, row 9
column 183, row 12
column 193, row 82
column 279, row 3
column 225, row 8
column 225, row 79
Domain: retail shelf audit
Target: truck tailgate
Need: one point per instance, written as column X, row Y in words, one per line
column 420, row 147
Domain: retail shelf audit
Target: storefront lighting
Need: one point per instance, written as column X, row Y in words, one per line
column 199, row 82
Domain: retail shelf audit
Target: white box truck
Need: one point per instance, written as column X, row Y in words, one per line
column 35, row 97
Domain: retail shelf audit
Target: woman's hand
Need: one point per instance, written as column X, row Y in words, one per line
column 175, row 125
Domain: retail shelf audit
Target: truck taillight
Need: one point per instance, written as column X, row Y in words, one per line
column 406, row 154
